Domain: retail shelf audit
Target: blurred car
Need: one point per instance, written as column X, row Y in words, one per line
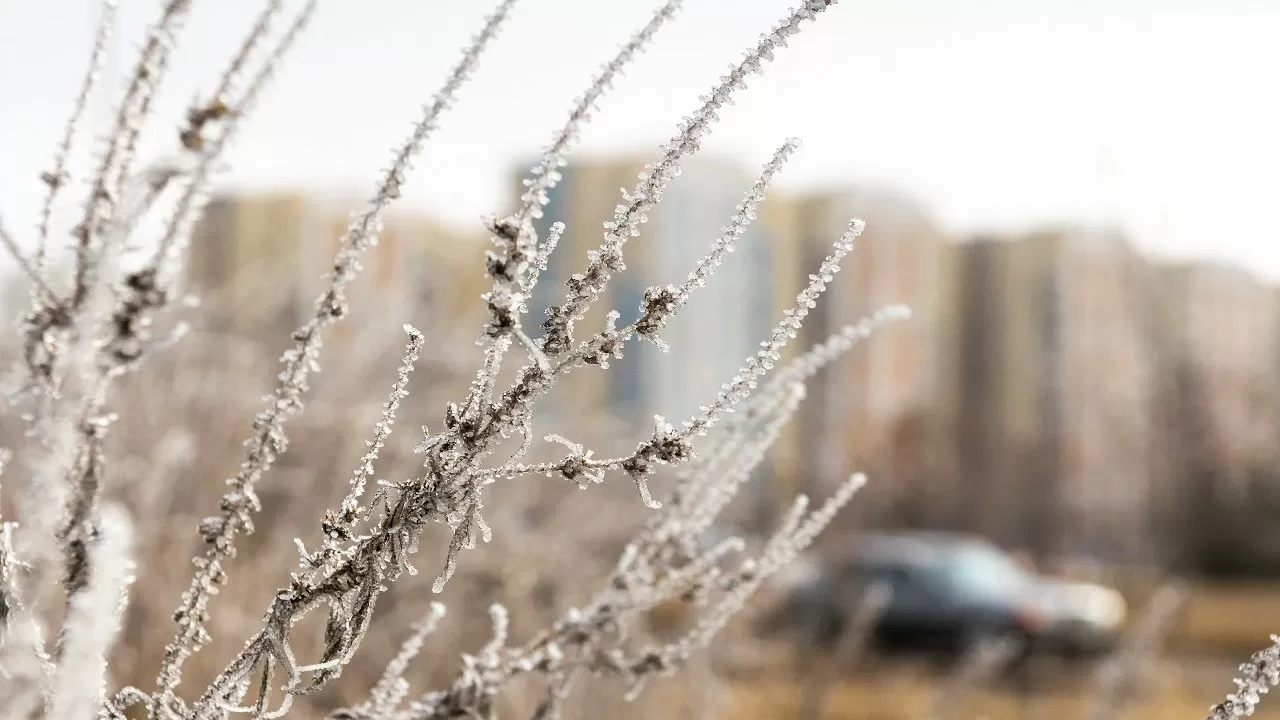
column 949, row 591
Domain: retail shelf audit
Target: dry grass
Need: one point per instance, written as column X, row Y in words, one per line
column 1220, row 624
column 1235, row 617
column 1219, row 617
column 890, row 697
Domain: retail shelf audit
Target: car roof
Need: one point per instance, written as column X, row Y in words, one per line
column 926, row 548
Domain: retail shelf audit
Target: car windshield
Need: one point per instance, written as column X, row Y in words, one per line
column 986, row 572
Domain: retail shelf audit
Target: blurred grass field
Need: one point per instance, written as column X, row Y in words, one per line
column 1233, row 618
column 1238, row 618
column 906, row 698
column 1219, row 626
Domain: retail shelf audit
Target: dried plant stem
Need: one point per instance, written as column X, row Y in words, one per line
column 77, row 346
column 57, row 178
column 585, row 288
column 981, row 661
column 31, row 269
column 853, row 640
column 231, row 111
column 661, row 563
column 518, row 260
column 1119, row 676
column 152, row 66
column 93, row 618
column 269, row 439
column 1253, row 680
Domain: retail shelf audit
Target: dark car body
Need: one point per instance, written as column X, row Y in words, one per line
column 947, row 592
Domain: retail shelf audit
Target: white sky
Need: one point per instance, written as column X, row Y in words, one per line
column 1159, row 115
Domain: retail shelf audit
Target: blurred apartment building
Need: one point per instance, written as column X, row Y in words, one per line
column 1023, row 400
column 1047, row 391
column 872, row 411
column 1219, row 326
column 259, row 261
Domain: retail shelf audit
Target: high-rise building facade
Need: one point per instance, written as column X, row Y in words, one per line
column 1221, row 325
column 259, row 261
column 1050, row 394
column 254, row 256
column 872, row 411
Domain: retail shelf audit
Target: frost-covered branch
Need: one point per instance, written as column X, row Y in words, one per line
column 586, row 287
column 1253, row 680
column 269, row 440
column 78, row 342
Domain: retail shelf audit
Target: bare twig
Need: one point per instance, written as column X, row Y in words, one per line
column 57, row 178
column 30, row 269
column 1120, row 675
column 853, row 639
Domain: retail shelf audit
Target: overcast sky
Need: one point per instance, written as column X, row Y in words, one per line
column 1158, row 115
